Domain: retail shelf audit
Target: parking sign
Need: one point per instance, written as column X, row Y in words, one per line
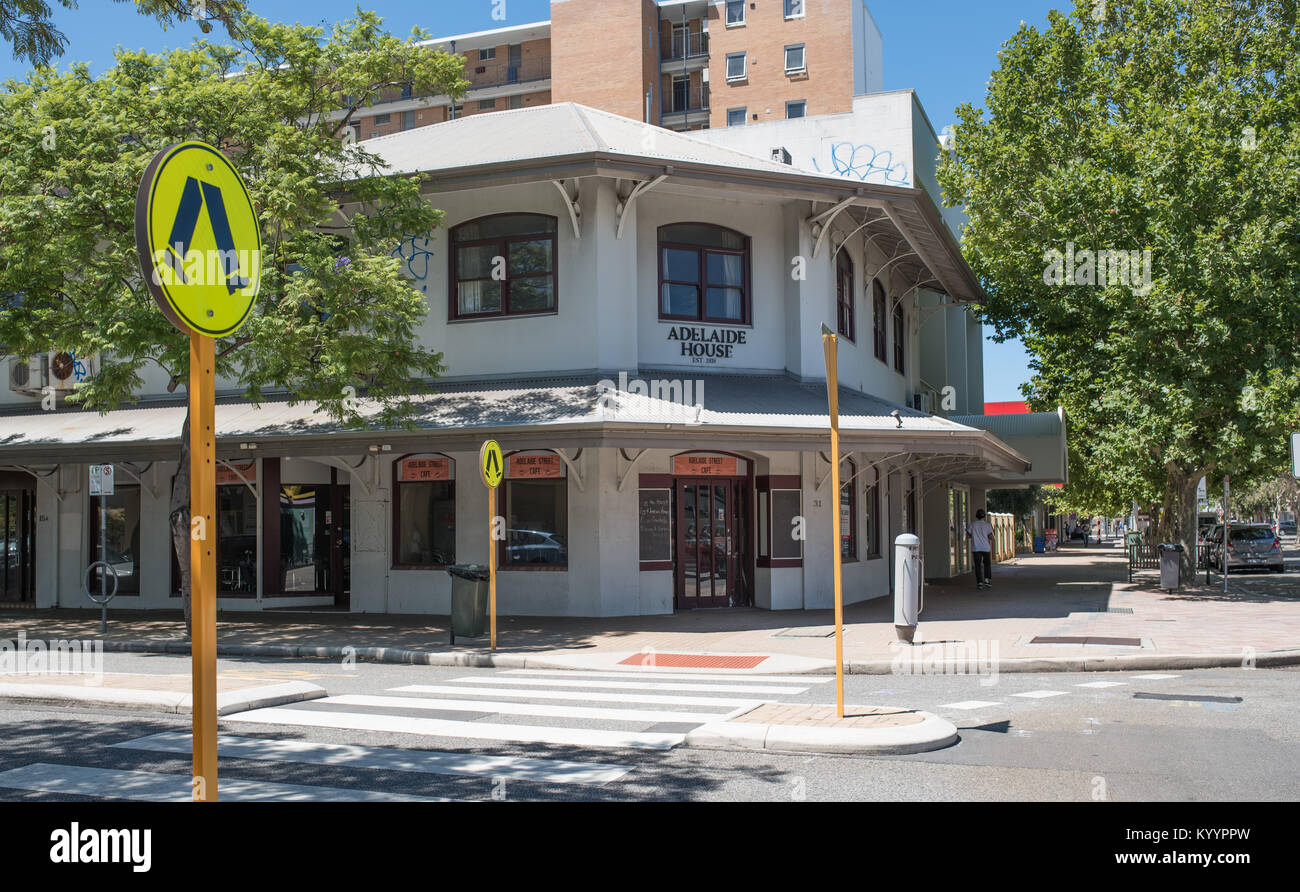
column 101, row 480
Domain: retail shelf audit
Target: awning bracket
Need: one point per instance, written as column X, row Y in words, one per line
column 575, row 210
column 626, row 205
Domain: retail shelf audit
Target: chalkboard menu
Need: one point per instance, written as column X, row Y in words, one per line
column 656, row 513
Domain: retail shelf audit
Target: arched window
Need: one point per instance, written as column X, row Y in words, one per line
column 879, row 319
column 871, row 480
column 900, row 340
column 703, row 274
column 503, row 265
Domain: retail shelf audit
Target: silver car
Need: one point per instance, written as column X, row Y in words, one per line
column 1250, row 546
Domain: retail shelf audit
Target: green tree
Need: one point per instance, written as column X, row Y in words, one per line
column 28, row 26
column 334, row 317
column 1135, row 126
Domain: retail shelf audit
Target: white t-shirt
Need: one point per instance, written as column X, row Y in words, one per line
column 980, row 531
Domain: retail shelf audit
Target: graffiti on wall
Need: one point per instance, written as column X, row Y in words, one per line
column 416, row 252
column 865, row 163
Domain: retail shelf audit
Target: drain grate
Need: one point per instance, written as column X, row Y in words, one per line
column 1086, row 639
column 806, row 632
column 1119, row 609
column 1189, row 698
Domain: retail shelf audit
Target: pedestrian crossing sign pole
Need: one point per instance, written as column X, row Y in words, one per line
column 199, row 242
column 492, row 466
column 833, row 399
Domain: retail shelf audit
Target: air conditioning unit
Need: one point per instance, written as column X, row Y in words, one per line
column 781, row 155
column 704, row 75
column 924, row 402
column 58, row 369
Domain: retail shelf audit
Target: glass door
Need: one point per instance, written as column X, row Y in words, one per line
column 18, row 525
column 708, row 543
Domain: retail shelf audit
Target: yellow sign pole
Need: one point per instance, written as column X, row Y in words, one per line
column 203, row 565
column 833, row 397
column 492, row 563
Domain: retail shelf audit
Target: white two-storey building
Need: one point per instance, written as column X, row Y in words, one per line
column 648, row 354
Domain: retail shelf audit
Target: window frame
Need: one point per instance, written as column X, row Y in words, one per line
column 900, row 333
column 802, row 68
column 487, row 54
column 850, row 485
column 381, row 120
column 395, row 562
column 743, row 56
column 702, row 284
column 879, row 309
column 845, row 299
column 726, row 13
column 744, row 116
column 408, row 116
column 501, row 502
column 802, row 103
column 453, row 284
column 764, row 487
column 487, row 105
column 92, row 534
column 793, row 15
column 874, row 518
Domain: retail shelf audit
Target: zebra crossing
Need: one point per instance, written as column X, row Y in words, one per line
column 971, row 705
column 609, row 713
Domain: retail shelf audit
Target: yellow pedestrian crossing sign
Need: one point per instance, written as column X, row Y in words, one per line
column 491, row 464
column 198, row 238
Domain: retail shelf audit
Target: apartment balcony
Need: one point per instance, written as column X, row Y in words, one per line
column 495, row 77
column 685, row 52
column 685, row 108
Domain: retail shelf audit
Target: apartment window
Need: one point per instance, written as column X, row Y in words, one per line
column 900, row 329
column 487, row 105
column 516, row 102
column 504, row 265
column 487, row 54
column 794, row 9
column 374, row 134
column 408, row 120
column 844, row 296
column 735, row 13
column 878, row 320
column 424, row 525
column 535, row 503
column 736, row 116
column 872, row 526
column 381, row 120
column 735, row 66
column 703, row 274
column 796, row 109
column 406, row 91
column 849, row 513
column 795, row 63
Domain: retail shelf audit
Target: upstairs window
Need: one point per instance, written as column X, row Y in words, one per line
column 703, row 274
column 797, row 108
column 844, row 296
column 900, row 332
column 736, row 117
column 503, row 265
column 736, row 66
column 735, row 12
column 489, row 53
column 794, row 9
column 795, row 59
column 880, row 334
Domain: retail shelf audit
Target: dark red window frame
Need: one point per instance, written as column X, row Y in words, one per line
column 850, row 486
column 394, row 562
column 702, row 252
column 900, row 339
column 844, row 297
column 879, row 311
column 503, row 245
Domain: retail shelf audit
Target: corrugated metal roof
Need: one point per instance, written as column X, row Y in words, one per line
column 1031, row 424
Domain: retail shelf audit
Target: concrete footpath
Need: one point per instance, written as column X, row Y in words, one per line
column 1071, row 610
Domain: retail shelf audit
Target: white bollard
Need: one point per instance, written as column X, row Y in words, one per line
column 907, row 585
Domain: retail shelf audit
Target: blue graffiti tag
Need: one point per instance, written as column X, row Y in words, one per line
column 415, row 251
column 78, row 368
column 867, row 164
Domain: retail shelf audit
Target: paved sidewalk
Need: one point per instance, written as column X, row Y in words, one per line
column 1077, row 593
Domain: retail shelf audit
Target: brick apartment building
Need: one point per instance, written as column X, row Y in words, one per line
column 678, row 64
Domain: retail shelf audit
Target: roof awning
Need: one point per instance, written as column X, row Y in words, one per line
column 768, row 413
column 1039, row 436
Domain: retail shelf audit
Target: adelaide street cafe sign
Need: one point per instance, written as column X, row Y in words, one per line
column 702, row 344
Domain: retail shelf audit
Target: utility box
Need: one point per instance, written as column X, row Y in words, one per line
column 1171, row 566
column 907, row 586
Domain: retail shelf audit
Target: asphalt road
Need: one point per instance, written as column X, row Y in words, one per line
column 1204, row 735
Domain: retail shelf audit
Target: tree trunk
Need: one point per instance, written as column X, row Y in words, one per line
column 180, row 518
column 1178, row 516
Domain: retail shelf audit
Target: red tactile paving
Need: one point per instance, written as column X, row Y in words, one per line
column 692, row 661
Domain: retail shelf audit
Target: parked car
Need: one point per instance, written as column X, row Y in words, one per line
column 534, row 547
column 1250, row 546
column 1287, row 528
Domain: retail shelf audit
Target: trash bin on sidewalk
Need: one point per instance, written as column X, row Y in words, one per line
column 469, row 600
column 1040, row 544
column 1171, row 565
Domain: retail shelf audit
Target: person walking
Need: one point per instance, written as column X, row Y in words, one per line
column 981, row 535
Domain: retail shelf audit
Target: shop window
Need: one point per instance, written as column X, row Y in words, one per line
column 844, row 296
column 504, row 265
column 900, row 340
column 849, row 513
column 780, row 521
column 236, row 540
column 879, row 311
column 703, row 274
column 424, row 525
column 122, row 539
column 534, row 500
column 872, row 518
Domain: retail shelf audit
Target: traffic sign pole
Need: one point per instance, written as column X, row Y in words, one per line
column 203, row 565
column 492, row 563
column 833, row 398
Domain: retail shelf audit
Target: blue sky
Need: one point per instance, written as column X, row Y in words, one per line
column 943, row 49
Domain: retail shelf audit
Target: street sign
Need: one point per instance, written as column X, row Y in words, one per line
column 491, row 465
column 199, row 239
column 101, row 480
column 1201, row 492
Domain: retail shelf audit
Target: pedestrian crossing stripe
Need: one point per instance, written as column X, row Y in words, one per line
column 356, row 721
column 492, row 707
column 588, row 696
column 547, row 771
column 148, row 786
